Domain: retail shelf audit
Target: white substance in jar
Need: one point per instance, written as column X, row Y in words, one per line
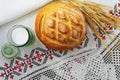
column 20, row 36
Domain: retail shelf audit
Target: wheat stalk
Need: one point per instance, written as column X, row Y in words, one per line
column 96, row 14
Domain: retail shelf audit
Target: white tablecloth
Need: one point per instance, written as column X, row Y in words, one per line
column 12, row 9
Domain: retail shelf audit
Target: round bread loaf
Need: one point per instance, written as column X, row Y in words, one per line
column 60, row 26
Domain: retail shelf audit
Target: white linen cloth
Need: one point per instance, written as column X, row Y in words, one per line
column 12, row 9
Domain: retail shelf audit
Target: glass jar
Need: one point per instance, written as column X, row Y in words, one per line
column 20, row 35
column 9, row 51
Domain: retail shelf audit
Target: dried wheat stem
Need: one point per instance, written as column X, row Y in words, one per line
column 98, row 34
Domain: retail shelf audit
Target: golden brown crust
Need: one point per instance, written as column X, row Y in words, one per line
column 60, row 26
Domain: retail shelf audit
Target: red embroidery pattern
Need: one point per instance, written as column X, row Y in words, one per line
column 19, row 65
